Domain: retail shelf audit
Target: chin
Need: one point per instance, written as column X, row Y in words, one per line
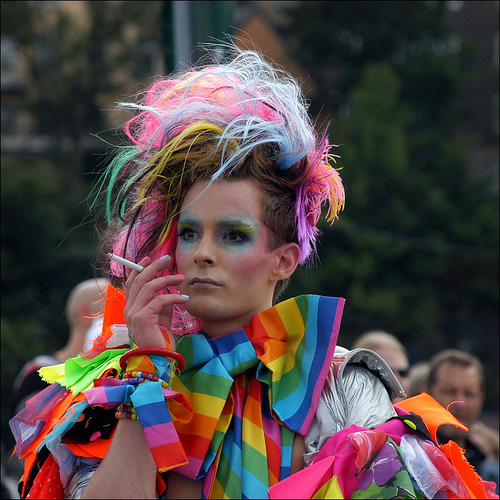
column 202, row 307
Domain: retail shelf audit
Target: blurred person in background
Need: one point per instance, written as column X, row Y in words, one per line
column 417, row 378
column 391, row 350
column 84, row 303
column 487, row 439
column 456, row 381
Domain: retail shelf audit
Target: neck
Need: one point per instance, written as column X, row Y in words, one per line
column 74, row 345
column 214, row 328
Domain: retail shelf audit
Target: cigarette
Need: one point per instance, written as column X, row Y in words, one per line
column 125, row 262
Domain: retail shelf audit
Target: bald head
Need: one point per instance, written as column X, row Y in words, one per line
column 390, row 349
column 86, row 301
column 377, row 339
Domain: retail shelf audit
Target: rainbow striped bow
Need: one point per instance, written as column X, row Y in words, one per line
column 149, row 400
column 251, row 391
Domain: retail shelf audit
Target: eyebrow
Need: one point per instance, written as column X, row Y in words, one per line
column 230, row 222
column 248, row 224
column 188, row 220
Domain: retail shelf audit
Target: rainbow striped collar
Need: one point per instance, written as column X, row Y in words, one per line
column 240, row 440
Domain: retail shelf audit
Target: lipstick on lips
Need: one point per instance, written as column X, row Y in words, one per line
column 203, row 283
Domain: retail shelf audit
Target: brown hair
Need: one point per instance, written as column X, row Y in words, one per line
column 454, row 357
column 198, row 160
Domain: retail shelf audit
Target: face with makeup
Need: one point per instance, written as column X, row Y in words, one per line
column 223, row 252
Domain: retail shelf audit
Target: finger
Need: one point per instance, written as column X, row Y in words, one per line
column 144, row 323
column 151, row 288
column 150, row 272
column 149, row 293
column 140, row 307
column 145, row 262
column 160, row 303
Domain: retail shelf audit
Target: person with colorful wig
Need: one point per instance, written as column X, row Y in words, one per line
column 202, row 384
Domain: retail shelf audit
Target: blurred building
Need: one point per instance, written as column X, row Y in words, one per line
column 167, row 38
column 477, row 22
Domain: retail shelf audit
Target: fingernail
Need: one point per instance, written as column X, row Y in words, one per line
column 185, row 296
column 164, row 257
column 179, row 275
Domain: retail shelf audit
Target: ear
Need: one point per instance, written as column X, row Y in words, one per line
column 288, row 259
column 84, row 313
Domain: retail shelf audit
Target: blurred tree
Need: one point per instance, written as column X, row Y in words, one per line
column 45, row 252
column 335, row 41
column 416, row 250
column 76, row 58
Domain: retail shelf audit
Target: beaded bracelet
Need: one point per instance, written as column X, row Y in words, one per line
column 126, row 412
column 136, row 373
column 138, row 377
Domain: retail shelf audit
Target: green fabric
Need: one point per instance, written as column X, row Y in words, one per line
column 80, row 372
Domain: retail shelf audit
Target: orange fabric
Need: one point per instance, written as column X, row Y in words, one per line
column 467, row 473
column 55, row 417
column 141, row 363
column 432, row 413
column 160, row 484
column 113, row 315
column 178, row 411
column 201, row 427
column 56, row 414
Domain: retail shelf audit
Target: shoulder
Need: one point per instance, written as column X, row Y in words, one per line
column 32, row 366
column 364, row 362
column 359, row 390
column 36, row 363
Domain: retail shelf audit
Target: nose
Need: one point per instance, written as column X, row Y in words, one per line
column 204, row 253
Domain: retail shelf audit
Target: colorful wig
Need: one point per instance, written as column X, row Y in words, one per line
column 205, row 124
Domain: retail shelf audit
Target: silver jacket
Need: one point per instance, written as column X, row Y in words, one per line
column 359, row 389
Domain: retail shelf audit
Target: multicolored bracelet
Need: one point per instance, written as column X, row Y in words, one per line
column 126, row 412
column 138, row 377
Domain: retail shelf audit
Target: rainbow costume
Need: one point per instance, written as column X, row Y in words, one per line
column 235, row 408
column 249, row 392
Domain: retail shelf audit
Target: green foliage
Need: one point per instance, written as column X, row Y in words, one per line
column 45, row 253
column 415, row 251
